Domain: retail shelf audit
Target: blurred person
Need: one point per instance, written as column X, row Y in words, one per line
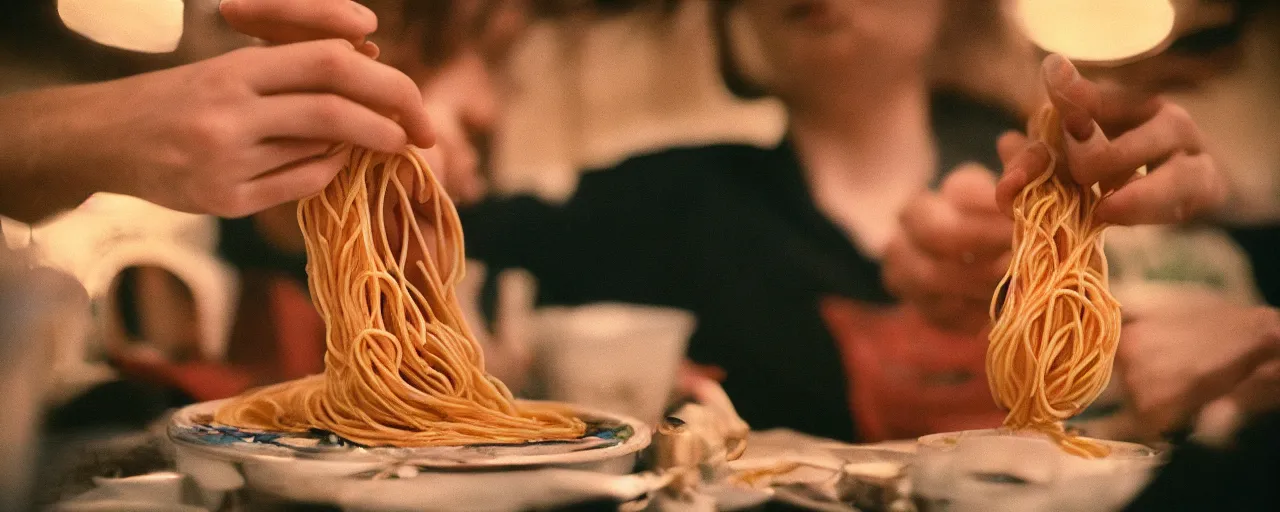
column 230, row 135
column 776, row 250
column 779, row 251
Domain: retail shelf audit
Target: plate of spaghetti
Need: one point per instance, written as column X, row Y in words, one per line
column 606, row 438
column 404, row 377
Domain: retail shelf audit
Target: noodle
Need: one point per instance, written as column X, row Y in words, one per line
column 401, row 366
column 1054, row 340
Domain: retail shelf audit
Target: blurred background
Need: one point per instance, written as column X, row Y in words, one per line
column 537, row 96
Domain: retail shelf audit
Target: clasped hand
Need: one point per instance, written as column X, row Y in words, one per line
column 954, row 245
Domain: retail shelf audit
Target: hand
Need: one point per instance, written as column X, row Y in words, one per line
column 293, row 21
column 228, row 136
column 1177, row 360
column 463, row 102
column 951, row 252
column 1108, row 135
column 454, row 159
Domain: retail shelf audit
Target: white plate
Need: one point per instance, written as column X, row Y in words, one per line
column 609, row 437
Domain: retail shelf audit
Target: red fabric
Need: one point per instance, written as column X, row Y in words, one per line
column 278, row 335
column 299, row 330
column 201, row 381
column 906, row 378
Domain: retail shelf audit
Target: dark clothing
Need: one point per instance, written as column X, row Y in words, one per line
column 1262, row 243
column 731, row 233
column 240, row 244
column 1244, row 477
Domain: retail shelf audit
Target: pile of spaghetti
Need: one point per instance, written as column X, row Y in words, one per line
column 401, row 368
column 1054, row 340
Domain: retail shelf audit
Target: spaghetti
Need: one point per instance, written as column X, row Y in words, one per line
column 1054, row 340
column 401, row 367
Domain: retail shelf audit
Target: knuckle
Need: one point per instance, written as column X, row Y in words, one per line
column 1177, row 114
column 219, row 81
column 317, row 179
column 1183, row 124
column 1210, row 190
column 328, row 110
column 331, row 59
column 212, row 131
column 409, row 89
column 1268, row 320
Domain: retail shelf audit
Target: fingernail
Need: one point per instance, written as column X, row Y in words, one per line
column 1059, row 71
column 1060, row 75
column 349, row 44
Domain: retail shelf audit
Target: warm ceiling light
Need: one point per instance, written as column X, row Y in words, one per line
column 150, row 26
column 1099, row 31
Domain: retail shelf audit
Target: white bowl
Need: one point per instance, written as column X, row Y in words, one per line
column 997, row 469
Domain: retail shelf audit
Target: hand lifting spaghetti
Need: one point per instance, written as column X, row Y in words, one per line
column 401, row 367
column 1054, row 340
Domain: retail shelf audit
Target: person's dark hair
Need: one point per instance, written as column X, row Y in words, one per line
column 1211, row 39
column 442, row 34
column 730, row 73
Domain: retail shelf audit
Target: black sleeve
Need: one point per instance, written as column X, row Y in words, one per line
column 1243, row 477
column 621, row 237
column 967, row 131
column 1262, row 244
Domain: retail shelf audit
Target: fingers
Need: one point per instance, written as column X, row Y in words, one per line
column 328, row 117
column 1075, row 98
column 455, row 156
column 289, row 21
column 332, row 67
column 971, row 188
column 1010, row 145
column 940, row 229
column 1030, row 162
column 1150, row 130
column 909, row 272
column 1170, row 132
column 1084, row 104
column 370, row 50
column 1182, row 188
column 1122, row 108
column 291, row 183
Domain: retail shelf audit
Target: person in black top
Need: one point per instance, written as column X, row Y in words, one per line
column 769, row 247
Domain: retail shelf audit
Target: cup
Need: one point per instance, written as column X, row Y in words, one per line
column 616, row 357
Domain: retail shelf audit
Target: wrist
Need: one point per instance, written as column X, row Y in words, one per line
column 44, row 139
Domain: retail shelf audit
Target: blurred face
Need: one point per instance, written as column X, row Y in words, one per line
column 467, row 78
column 463, row 91
column 807, row 47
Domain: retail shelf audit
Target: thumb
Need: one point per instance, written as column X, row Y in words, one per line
column 971, row 188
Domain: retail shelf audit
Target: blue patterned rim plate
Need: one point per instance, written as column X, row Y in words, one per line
column 609, row 436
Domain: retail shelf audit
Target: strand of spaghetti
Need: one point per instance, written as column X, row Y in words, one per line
column 401, row 366
column 1056, row 328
